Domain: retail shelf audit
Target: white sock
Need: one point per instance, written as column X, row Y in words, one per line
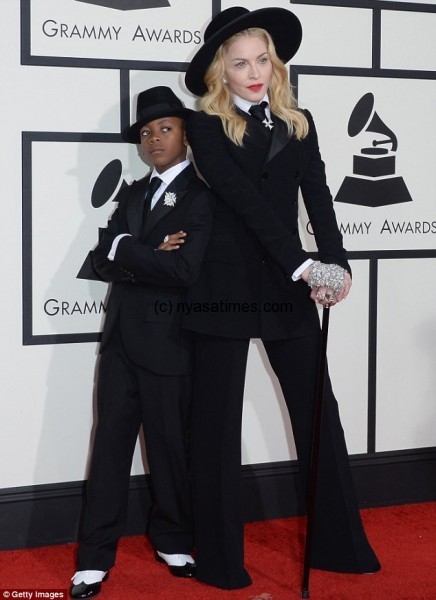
column 88, row 577
column 177, row 560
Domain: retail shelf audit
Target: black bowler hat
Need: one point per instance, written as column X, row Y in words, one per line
column 155, row 103
column 283, row 26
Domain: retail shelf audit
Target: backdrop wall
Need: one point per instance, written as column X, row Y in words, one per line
column 71, row 71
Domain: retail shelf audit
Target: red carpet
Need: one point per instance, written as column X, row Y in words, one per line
column 404, row 538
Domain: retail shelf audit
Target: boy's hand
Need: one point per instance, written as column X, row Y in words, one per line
column 173, row 241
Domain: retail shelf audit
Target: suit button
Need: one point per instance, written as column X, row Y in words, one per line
column 264, row 176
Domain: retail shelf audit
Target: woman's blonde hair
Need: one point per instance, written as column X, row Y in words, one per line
column 218, row 99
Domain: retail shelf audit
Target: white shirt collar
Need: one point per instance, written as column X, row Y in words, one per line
column 170, row 174
column 245, row 105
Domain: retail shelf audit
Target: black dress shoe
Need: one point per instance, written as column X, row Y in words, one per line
column 186, row 570
column 86, row 590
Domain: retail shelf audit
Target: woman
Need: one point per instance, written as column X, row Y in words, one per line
column 254, row 285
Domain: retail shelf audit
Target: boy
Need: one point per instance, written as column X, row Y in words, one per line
column 144, row 370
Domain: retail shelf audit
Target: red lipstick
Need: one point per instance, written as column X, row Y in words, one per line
column 255, row 87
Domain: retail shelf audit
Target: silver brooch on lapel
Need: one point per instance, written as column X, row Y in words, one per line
column 170, row 199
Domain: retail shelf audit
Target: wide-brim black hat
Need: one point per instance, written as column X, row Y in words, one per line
column 283, row 26
column 155, row 103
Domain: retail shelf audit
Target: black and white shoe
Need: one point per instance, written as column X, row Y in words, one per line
column 179, row 565
column 87, row 583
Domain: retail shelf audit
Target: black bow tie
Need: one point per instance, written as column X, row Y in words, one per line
column 258, row 112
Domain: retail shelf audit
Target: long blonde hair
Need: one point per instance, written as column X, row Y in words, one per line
column 218, row 99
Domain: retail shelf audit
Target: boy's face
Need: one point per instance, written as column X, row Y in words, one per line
column 163, row 142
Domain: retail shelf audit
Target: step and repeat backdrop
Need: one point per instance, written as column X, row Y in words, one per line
column 367, row 72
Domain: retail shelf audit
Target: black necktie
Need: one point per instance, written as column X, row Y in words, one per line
column 258, row 112
column 153, row 186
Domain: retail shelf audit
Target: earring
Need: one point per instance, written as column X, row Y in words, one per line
column 224, row 81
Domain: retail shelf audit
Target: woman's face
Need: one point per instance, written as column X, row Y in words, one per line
column 247, row 68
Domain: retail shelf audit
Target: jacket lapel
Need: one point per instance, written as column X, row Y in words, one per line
column 135, row 206
column 172, row 197
column 279, row 138
column 272, row 141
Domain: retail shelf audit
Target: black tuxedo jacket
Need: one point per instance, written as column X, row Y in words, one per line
column 245, row 289
column 148, row 285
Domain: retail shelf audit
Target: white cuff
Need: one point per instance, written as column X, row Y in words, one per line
column 111, row 255
column 296, row 275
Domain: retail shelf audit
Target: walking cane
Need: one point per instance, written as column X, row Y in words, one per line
column 314, row 459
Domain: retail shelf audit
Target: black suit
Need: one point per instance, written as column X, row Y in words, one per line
column 145, row 367
column 245, row 291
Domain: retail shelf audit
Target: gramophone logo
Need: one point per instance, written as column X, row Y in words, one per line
column 106, row 187
column 127, row 4
column 374, row 182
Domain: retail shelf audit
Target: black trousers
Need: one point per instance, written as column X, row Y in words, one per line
column 127, row 396
column 340, row 542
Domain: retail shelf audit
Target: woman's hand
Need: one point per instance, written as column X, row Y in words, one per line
column 326, row 296
column 173, row 241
